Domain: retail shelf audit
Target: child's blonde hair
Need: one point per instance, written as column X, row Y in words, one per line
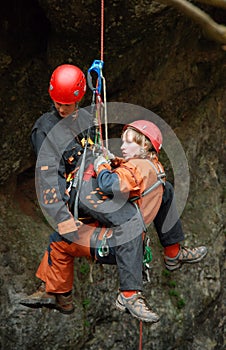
column 143, row 141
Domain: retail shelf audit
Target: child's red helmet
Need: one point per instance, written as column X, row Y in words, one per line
column 67, row 84
column 150, row 130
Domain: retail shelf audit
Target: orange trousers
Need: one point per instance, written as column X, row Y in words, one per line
column 57, row 265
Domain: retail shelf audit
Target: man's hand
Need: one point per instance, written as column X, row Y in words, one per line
column 109, row 155
column 104, row 151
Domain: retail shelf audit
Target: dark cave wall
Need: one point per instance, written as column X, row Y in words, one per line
column 155, row 58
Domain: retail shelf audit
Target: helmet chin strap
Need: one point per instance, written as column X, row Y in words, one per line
column 142, row 150
column 75, row 113
column 143, row 153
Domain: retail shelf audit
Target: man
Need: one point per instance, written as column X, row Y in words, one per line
column 57, row 141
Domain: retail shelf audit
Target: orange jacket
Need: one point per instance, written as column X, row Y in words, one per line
column 133, row 177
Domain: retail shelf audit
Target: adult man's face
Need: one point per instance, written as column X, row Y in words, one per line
column 65, row 110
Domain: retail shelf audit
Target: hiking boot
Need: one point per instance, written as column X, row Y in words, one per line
column 185, row 255
column 39, row 298
column 137, row 306
column 64, row 303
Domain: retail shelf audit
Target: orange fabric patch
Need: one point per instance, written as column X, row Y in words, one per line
column 67, row 226
column 44, row 167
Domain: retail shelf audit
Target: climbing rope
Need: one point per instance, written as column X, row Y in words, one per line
column 140, row 339
column 98, row 104
column 101, row 109
column 102, row 32
column 104, row 81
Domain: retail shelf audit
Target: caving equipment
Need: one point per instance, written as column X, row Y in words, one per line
column 98, row 104
column 67, row 84
column 150, row 130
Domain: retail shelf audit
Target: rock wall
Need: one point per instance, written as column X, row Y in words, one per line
column 154, row 58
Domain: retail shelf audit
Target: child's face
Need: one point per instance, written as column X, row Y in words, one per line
column 129, row 148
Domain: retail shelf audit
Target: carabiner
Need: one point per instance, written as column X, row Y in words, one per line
column 103, row 250
column 97, row 66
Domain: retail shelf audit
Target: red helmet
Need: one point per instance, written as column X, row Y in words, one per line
column 150, row 130
column 67, row 84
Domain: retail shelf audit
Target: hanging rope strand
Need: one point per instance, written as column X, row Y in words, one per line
column 140, row 339
column 101, row 106
column 102, row 77
column 102, row 32
column 105, row 112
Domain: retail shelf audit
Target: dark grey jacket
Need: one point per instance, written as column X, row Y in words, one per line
column 57, row 145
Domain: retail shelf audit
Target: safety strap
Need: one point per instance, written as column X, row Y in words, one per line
column 77, row 182
column 160, row 176
column 151, row 188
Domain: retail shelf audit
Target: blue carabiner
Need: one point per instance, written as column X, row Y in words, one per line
column 97, row 66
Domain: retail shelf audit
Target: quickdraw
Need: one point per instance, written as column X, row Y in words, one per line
column 147, row 258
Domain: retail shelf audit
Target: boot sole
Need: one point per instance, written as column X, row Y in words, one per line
column 38, row 303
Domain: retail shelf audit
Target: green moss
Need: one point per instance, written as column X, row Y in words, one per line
column 86, row 303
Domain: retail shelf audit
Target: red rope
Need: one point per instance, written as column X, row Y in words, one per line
column 140, row 343
column 102, row 32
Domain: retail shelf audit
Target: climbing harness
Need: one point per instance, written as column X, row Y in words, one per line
column 147, row 258
column 78, row 178
column 160, row 181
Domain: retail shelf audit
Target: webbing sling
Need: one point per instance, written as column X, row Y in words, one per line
column 160, row 177
column 151, row 188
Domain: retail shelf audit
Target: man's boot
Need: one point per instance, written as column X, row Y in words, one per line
column 40, row 298
column 64, row 303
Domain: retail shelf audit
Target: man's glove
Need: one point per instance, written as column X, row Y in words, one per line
column 109, row 155
column 104, row 151
column 98, row 161
column 117, row 161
